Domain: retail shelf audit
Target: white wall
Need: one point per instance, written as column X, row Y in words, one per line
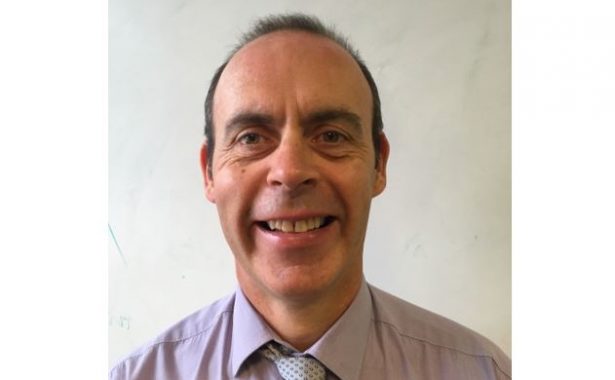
column 439, row 236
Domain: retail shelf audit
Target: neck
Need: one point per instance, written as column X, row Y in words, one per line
column 302, row 320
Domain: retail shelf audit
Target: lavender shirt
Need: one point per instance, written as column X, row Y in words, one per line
column 378, row 337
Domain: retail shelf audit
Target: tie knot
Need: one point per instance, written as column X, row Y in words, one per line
column 293, row 365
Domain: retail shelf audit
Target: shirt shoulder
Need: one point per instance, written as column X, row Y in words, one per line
column 412, row 322
column 180, row 344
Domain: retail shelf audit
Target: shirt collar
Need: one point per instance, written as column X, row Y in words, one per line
column 250, row 331
column 340, row 349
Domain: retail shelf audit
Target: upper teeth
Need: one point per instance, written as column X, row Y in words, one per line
column 296, row 226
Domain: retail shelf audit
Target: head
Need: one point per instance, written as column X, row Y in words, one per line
column 298, row 157
column 298, row 22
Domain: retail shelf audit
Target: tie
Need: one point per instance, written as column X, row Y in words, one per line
column 293, row 366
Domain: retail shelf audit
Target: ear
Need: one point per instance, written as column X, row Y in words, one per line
column 381, row 167
column 209, row 182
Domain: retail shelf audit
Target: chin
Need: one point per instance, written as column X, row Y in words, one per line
column 301, row 284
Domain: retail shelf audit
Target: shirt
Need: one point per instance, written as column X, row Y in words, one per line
column 379, row 336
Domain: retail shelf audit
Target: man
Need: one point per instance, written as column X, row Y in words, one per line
column 294, row 154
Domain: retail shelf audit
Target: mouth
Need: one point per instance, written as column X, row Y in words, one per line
column 296, row 226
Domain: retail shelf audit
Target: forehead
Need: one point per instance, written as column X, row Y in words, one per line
column 292, row 70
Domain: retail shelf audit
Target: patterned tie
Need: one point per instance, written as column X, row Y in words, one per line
column 291, row 365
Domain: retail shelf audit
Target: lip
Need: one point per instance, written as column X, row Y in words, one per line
column 293, row 216
column 284, row 241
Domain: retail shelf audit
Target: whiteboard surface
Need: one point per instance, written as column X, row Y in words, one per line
column 439, row 235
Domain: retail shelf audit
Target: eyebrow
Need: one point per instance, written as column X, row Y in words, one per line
column 334, row 114
column 319, row 116
column 244, row 118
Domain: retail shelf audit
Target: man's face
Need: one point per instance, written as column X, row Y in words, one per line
column 293, row 170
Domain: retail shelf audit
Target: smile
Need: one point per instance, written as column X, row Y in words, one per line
column 296, row 226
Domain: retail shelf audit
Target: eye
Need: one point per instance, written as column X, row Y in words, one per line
column 249, row 138
column 332, row 137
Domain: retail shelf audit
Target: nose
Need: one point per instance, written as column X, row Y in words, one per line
column 292, row 165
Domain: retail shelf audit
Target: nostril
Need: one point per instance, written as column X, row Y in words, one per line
column 293, row 183
column 291, row 172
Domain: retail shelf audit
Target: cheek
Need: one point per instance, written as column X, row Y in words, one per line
column 360, row 180
column 232, row 208
column 355, row 191
column 236, row 190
